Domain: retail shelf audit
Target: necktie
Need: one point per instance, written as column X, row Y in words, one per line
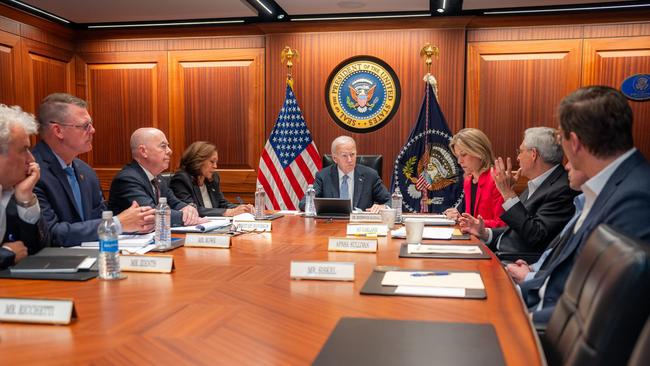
column 156, row 189
column 76, row 191
column 345, row 190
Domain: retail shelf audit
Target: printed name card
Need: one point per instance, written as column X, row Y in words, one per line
column 42, row 311
column 147, row 263
column 332, row 271
column 364, row 217
column 207, row 241
column 253, row 225
column 367, row 230
column 352, row 245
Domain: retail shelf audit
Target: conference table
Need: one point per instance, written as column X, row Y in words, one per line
column 240, row 306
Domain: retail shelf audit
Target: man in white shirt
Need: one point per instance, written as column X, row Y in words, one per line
column 20, row 213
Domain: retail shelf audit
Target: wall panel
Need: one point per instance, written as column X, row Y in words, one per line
column 10, row 70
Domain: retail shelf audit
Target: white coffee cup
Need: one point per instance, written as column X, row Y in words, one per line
column 388, row 217
column 414, row 229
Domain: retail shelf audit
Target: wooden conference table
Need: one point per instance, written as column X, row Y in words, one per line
column 239, row 306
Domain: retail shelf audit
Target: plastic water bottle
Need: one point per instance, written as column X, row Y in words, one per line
column 260, row 199
column 109, row 261
column 310, row 209
column 396, row 203
column 163, row 234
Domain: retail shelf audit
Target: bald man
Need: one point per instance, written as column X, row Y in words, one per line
column 140, row 181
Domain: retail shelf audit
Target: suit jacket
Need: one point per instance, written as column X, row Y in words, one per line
column 624, row 204
column 488, row 200
column 34, row 236
column 131, row 184
column 368, row 187
column 534, row 222
column 55, row 197
column 187, row 191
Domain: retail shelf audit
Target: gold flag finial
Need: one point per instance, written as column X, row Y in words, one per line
column 288, row 54
column 427, row 52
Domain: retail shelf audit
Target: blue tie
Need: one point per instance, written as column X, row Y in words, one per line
column 345, row 191
column 74, row 184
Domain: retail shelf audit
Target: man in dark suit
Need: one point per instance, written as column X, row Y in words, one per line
column 536, row 216
column 596, row 135
column 346, row 179
column 21, row 226
column 139, row 181
column 68, row 191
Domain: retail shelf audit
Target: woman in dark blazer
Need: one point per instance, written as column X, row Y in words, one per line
column 197, row 182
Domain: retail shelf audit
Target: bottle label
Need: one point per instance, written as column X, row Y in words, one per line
column 108, row 246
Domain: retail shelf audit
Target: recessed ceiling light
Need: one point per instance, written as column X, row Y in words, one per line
column 351, row 4
column 280, row 16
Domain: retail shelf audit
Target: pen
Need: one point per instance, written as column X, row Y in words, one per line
column 425, row 274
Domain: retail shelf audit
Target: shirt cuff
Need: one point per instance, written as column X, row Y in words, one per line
column 29, row 214
column 489, row 239
column 118, row 224
column 509, row 203
column 529, row 276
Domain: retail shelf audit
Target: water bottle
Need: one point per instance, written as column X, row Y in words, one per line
column 310, row 209
column 396, row 203
column 260, row 198
column 109, row 261
column 163, row 234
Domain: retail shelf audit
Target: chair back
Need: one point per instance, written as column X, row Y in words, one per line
column 641, row 354
column 372, row 161
column 604, row 305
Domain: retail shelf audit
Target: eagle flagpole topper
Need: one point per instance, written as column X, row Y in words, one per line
column 425, row 168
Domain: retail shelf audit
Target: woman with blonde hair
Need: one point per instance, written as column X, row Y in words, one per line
column 473, row 150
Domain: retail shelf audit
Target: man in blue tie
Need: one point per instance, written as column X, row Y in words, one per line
column 69, row 192
column 346, row 179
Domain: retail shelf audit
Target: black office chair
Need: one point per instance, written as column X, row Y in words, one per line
column 605, row 303
column 372, row 161
column 166, row 177
column 641, row 353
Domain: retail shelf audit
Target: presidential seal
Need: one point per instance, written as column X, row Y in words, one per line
column 637, row 87
column 362, row 94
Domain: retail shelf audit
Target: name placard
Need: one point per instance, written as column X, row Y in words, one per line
column 330, row 271
column 253, row 225
column 43, row 311
column 352, row 245
column 367, row 230
column 207, row 241
column 147, row 263
column 365, row 217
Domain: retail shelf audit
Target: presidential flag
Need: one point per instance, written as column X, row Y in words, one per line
column 425, row 169
column 290, row 159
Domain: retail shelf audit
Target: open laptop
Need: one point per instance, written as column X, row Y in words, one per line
column 333, row 208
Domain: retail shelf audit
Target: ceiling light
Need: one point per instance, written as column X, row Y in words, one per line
column 264, row 6
column 280, row 16
column 207, row 22
column 363, row 17
column 37, row 10
column 565, row 9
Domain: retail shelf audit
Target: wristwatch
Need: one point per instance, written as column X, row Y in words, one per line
column 27, row 204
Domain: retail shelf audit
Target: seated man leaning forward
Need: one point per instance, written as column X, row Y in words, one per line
column 346, row 179
column 140, row 180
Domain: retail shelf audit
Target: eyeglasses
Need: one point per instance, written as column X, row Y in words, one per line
column 84, row 127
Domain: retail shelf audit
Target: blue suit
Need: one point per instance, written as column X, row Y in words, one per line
column 624, row 204
column 368, row 188
column 57, row 201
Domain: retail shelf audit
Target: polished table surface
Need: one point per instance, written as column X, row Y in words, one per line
column 239, row 306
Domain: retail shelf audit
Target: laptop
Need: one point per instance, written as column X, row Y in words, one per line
column 333, row 208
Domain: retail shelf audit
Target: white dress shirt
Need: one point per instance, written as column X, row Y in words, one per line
column 206, row 197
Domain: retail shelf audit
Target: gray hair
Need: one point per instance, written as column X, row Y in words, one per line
column 11, row 117
column 340, row 141
column 543, row 140
column 54, row 108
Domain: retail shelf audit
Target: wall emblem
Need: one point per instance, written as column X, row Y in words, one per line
column 637, row 87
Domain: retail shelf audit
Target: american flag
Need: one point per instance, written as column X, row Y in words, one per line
column 290, row 159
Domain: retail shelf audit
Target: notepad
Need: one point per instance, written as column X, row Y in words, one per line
column 446, row 249
column 202, row 228
column 125, row 241
column 49, row 264
column 465, row 280
column 427, row 233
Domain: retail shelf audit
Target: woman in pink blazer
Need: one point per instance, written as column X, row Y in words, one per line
column 482, row 198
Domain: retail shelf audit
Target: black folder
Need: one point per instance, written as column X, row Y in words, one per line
column 403, row 253
column 77, row 276
column 373, row 286
column 377, row 342
column 48, row 264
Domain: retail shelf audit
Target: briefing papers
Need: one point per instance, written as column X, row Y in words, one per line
column 465, row 280
column 202, row 228
column 443, row 249
column 443, row 233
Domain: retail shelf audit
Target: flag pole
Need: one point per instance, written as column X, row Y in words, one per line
column 287, row 55
column 427, row 52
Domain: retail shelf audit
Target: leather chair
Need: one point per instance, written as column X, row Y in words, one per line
column 372, row 161
column 605, row 303
column 641, row 354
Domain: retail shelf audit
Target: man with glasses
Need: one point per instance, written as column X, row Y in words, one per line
column 140, row 180
column 346, row 179
column 69, row 192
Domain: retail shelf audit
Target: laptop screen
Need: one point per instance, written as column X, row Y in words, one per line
column 333, row 206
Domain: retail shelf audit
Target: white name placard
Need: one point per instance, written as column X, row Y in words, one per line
column 207, row 240
column 332, row 271
column 147, row 263
column 42, row 311
column 253, row 225
column 367, row 230
column 365, row 217
column 352, row 245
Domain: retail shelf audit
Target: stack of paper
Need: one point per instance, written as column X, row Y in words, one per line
column 465, row 280
column 428, row 233
column 125, row 241
column 443, row 249
column 202, row 228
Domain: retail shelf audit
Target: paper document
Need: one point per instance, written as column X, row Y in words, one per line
column 244, row 217
column 428, row 233
column 290, row 212
column 142, row 250
column 452, row 279
column 125, row 241
column 430, row 291
column 443, row 249
column 201, row 228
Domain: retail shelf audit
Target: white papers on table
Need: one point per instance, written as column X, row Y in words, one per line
column 290, row 212
column 435, row 221
column 452, row 279
column 202, row 228
column 125, row 241
column 244, row 217
column 443, row 233
column 141, row 250
column 87, row 263
column 215, row 218
column 430, row 291
column 443, row 249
